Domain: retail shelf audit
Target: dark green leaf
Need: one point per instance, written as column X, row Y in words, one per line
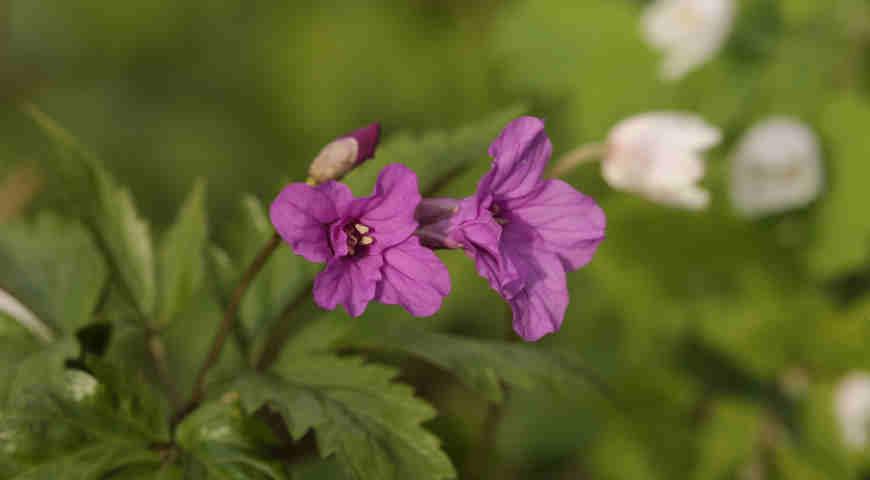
column 369, row 423
column 481, row 365
column 215, row 435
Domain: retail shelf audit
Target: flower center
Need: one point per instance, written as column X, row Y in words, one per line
column 357, row 236
column 496, row 214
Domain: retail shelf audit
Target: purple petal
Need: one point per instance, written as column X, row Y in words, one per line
column 520, row 155
column 348, row 281
column 413, row 277
column 301, row 215
column 389, row 211
column 367, row 139
column 479, row 234
column 570, row 224
column 539, row 308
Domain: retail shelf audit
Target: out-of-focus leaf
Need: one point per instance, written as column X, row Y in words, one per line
column 54, row 268
column 435, row 156
column 370, row 424
column 181, row 257
column 728, row 441
column 844, row 237
column 111, row 212
column 215, row 436
column 481, row 365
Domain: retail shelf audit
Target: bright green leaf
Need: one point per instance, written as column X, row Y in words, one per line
column 844, row 237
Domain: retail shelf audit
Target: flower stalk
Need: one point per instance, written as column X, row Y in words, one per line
column 226, row 326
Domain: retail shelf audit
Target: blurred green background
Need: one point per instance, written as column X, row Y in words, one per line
column 720, row 338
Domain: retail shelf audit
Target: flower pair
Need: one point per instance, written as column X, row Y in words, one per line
column 523, row 232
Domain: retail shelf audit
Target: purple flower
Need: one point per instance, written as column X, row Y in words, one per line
column 344, row 154
column 523, row 232
column 368, row 243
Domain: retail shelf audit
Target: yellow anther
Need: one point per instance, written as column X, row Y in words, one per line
column 362, row 229
column 366, row 240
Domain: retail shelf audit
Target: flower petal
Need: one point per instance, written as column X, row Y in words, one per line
column 389, row 211
column 301, row 215
column 348, row 281
column 479, row 234
column 520, row 155
column 570, row 224
column 539, row 308
column 413, row 277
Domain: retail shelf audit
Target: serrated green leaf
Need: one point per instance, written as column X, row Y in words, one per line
column 96, row 461
column 68, row 420
column 54, row 268
column 126, row 238
column 369, row 423
column 844, row 237
column 216, row 437
column 181, row 268
column 481, row 365
column 111, row 212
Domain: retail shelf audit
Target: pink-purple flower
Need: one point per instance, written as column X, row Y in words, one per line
column 368, row 244
column 524, row 232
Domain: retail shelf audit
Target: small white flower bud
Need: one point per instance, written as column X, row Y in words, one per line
column 658, row 156
column 776, row 167
column 688, row 32
column 852, row 408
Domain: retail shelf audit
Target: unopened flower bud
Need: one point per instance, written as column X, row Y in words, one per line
column 344, row 154
column 852, row 408
column 688, row 32
column 777, row 166
column 658, row 155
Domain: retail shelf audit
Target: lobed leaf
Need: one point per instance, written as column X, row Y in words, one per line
column 358, row 414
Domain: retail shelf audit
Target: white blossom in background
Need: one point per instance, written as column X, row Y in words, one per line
column 658, row 155
column 776, row 167
column 852, row 408
column 688, row 32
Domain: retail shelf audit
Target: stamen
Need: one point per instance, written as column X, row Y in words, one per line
column 366, row 240
column 362, row 229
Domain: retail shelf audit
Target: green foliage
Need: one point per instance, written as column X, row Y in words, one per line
column 53, row 266
column 436, row 156
column 85, row 426
column 481, row 365
column 110, row 211
column 843, row 236
column 371, row 424
column 217, row 437
column 181, row 267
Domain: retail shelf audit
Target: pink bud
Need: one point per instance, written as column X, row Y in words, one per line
column 344, row 154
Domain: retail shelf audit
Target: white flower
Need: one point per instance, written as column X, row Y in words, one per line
column 658, row 155
column 852, row 408
column 777, row 166
column 689, row 32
